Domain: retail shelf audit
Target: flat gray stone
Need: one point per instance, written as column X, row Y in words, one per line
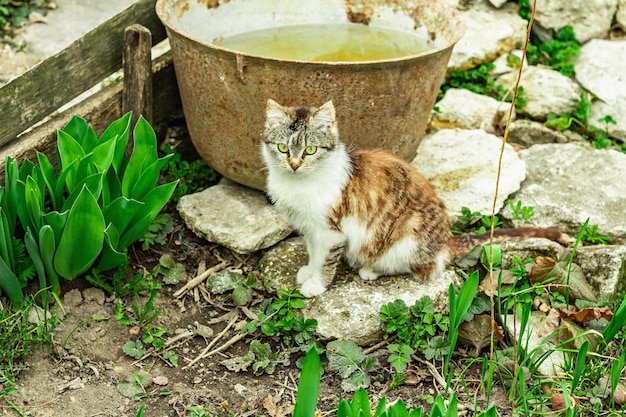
column 350, row 309
column 489, row 34
column 527, row 133
column 461, row 108
column 590, row 19
column 617, row 110
column 462, row 165
column 601, row 68
column 555, row 359
column 604, row 267
column 545, row 91
column 234, row 216
column 568, row 183
column 620, row 16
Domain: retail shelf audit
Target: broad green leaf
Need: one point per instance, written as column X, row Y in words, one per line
column 26, row 169
column 50, row 178
column 6, row 245
column 78, row 128
column 149, row 178
column 57, row 222
column 111, row 187
column 344, row 409
column 119, row 131
column 121, row 211
column 33, row 252
column 33, row 199
column 47, row 247
column 111, row 257
column 381, row 407
column 102, row 155
column 60, row 189
column 360, row 404
column 82, row 239
column 144, row 154
column 344, row 356
column 10, row 200
column 93, row 184
column 398, row 409
column 70, row 152
column 10, row 284
column 155, row 201
column 309, row 385
column 355, row 381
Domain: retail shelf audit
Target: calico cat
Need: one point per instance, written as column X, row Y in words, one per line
column 370, row 206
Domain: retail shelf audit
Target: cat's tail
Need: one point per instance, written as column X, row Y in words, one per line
column 461, row 245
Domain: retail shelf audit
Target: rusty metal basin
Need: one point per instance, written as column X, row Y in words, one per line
column 380, row 104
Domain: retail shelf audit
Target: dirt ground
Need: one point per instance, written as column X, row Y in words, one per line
column 82, row 376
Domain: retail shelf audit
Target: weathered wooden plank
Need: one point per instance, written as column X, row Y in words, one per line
column 137, row 94
column 99, row 111
column 32, row 96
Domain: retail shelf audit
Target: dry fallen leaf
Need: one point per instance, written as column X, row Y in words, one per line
column 558, row 401
column 559, row 280
column 550, row 323
column 275, row 410
column 506, row 279
column 477, row 332
column 36, row 17
column 160, row 380
column 577, row 336
column 586, row 315
column 620, row 390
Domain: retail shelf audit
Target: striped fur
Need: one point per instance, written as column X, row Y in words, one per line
column 370, row 206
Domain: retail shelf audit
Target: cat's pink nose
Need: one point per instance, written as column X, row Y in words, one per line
column 294, row 166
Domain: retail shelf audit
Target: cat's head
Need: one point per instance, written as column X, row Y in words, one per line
column 297, row 138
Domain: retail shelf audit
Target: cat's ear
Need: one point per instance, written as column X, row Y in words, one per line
column 324, row 118
column 274, row 113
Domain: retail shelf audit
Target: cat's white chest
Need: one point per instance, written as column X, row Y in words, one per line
column 308, row 199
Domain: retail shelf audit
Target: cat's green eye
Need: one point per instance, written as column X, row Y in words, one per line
column 310, row 150
column 283, row 147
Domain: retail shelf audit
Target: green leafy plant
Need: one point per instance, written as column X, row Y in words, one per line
column 199, row 411
column 99, row 203
column 578, row 121
column 521, row 213
column 193, row 176
column 158, row 230
column 142, row 312
column 413, row 326
column 592, row 235
column 473, row 222
column 260, row 358
column 557, row 53
column 348, row 359
column 282, row 317
column 458, row 305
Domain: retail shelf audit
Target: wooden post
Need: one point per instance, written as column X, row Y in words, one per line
column 137, row 93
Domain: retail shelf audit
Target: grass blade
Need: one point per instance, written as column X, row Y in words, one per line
column 309, row 385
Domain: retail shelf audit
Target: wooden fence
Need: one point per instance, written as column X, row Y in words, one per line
column 37, row 94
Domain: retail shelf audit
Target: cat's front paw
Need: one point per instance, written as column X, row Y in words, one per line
column 304, row 274
column 312, row 287
column 368, row 274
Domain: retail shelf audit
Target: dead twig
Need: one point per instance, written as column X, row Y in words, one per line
column 433, row 371
column 375, row 347
column 200, row 278
column 204, row 353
